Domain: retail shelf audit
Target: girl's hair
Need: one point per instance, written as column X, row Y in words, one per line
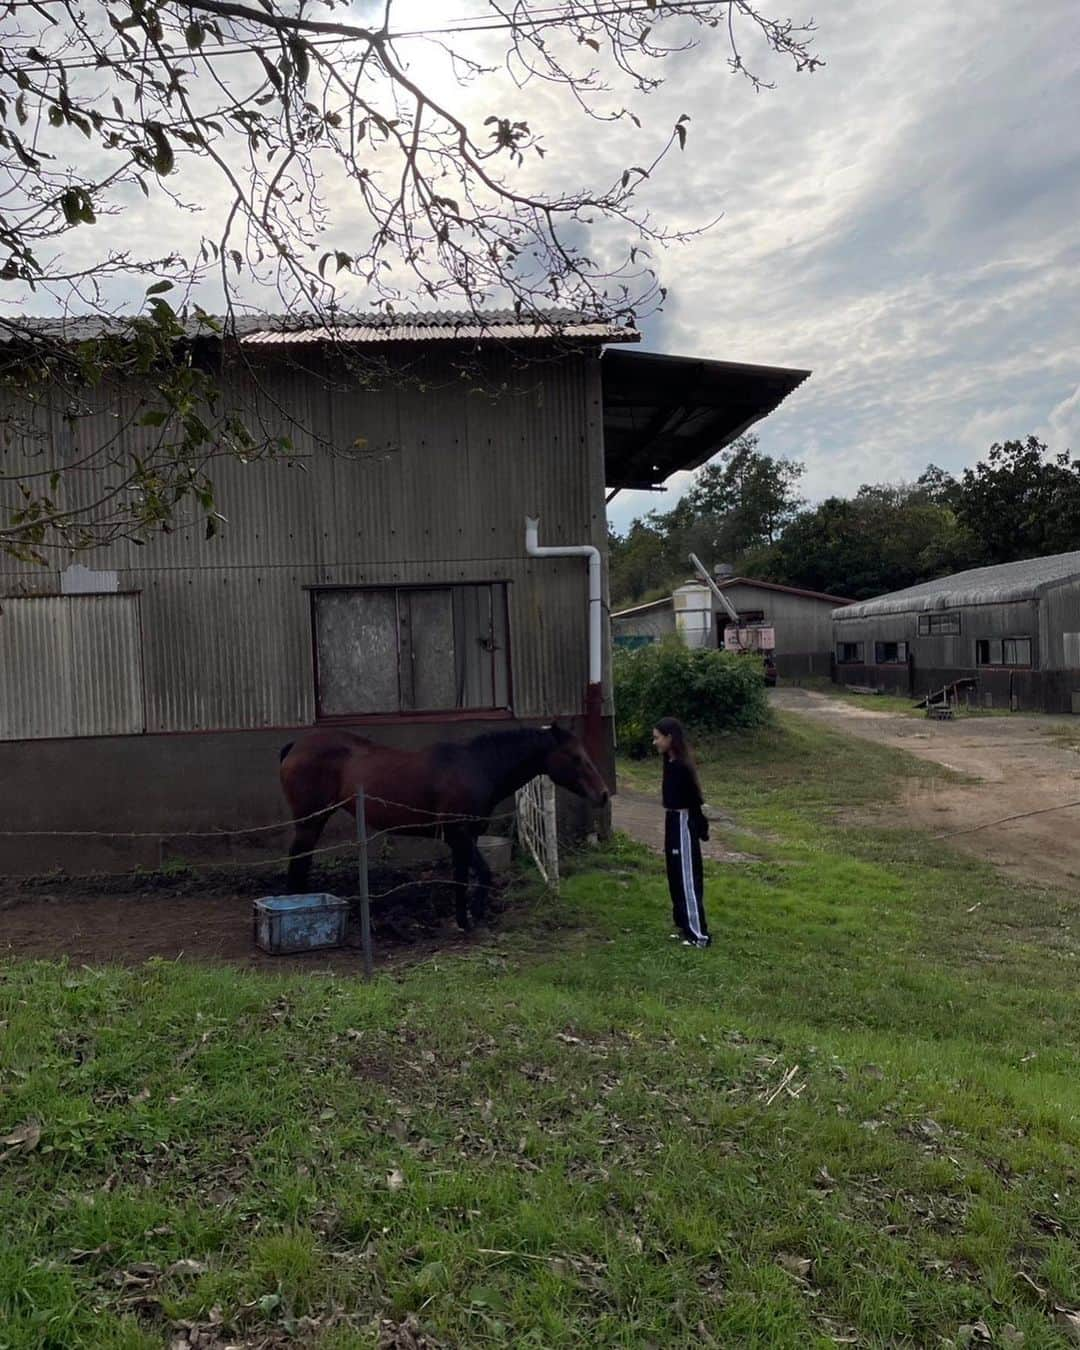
column 680, row 748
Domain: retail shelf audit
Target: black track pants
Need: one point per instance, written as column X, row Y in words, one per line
column 682, row 852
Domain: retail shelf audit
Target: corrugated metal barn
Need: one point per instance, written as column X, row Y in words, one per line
column 801, row 620
column 1013, row 628
column 380, row 579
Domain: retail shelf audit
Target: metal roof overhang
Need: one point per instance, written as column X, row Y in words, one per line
column 665, row 413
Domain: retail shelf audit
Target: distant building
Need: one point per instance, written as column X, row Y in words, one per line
column 801, row 621
column 1012, row 630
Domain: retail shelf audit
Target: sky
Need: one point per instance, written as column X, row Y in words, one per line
column 904, row 222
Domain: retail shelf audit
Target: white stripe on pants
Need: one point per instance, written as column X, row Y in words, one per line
column 693, row 907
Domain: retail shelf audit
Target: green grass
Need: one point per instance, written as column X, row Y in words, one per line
column 585, row 1140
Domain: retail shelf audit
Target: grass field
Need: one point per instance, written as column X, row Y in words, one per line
column 853, row 1120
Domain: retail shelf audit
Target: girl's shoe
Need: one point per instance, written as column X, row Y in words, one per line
column 697, row 942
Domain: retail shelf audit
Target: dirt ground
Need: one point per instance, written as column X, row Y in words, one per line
column 1019, row 763
column 211, row 920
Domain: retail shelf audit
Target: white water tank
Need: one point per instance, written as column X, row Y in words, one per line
column 693, row 614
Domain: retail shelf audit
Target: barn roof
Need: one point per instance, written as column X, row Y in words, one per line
column 724, row 582
column 979, row 586
column 665, row 413
column 787, row 590
column 661, row 413
column 301, row 329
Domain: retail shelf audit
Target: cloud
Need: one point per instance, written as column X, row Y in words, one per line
column 903, row 223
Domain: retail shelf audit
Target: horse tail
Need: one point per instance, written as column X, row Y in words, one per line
column 284, row 751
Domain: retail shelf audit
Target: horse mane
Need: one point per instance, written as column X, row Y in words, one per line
column 495, row 751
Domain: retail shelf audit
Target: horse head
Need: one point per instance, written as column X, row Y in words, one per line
column 568, row 765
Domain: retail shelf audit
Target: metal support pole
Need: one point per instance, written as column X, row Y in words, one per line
column 362, row 865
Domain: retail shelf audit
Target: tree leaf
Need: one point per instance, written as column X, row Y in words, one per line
column 164, row 159
column 159, row 288
column 298, row 50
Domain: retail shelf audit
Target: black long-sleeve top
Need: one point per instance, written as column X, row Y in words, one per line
column 681, row 793
column 680, row 789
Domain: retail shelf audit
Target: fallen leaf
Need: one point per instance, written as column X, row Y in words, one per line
column 1010, row 1335
column 395, row 1180
column 78, row 1254
column 1046, row 1223
column 142, row 1096
column 1023, row 1275
column 187, row 1267
column 873, row 1071
column 399, row 1129
column 23, row 1138
column 1068, row 1319
column 798, row 1266
column 973, row 1333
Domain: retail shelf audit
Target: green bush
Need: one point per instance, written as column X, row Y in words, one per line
column 708, row 691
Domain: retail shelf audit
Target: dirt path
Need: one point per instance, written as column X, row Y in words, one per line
column 1021, row 763
column 87, row 927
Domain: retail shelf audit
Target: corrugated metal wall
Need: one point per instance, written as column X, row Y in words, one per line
column 803, row 626
column 428, row 481
column 1060, row 613
column 652, row 623
column 70, row 666
column 938, row 658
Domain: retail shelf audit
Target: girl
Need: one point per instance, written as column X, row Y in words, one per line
column 684, row 828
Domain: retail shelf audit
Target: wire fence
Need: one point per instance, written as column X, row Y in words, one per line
column 426, row 821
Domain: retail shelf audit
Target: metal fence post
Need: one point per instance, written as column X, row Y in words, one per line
column 362, row 865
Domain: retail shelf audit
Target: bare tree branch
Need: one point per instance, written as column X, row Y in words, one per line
column 280, row 121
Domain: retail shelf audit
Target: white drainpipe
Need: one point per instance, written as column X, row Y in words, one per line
column 596, row 610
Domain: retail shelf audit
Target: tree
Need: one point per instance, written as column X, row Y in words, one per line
column 320, row 158
column 739, row 502
column 883, row 539
column 751, row 496
column 1018, row 504
column 938, row 486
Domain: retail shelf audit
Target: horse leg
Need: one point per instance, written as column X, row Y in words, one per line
column 306, row 835
column 484, row 881
column 461, row 852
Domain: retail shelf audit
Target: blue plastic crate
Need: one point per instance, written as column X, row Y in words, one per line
column 300, row 923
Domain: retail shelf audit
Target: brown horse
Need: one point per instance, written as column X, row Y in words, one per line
column 448, row 790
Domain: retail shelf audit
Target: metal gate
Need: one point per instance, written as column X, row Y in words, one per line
column 537, row 828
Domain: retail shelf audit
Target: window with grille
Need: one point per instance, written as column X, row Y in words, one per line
column 849, row 653
column 411, row 649
column 930, row 625
column 890, row 653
